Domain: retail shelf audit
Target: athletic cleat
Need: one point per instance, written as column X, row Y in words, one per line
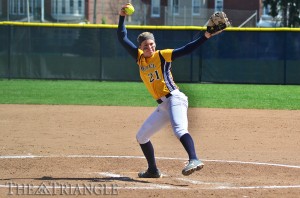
column 147, row 174
column 193, row 165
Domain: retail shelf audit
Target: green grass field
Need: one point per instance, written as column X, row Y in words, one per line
column 135, row 94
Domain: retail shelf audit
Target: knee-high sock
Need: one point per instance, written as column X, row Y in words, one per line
column 148, row 151
column 188, row 144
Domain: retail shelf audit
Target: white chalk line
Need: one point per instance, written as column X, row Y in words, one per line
column 254, row 187
column 142, row 157
column 217, row 185
column 201, row 182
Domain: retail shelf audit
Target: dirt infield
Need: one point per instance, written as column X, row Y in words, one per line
column 92, row 151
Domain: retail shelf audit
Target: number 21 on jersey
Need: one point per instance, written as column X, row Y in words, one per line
column 153, row 76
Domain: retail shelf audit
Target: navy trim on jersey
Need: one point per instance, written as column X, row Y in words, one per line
column 169, row 80
column 166, row 71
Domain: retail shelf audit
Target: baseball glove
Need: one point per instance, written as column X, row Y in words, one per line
column 217, row 22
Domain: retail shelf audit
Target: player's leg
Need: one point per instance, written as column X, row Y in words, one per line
column 179, row 120
column 158, row 119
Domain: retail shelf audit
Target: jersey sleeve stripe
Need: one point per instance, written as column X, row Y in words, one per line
column 168, row 78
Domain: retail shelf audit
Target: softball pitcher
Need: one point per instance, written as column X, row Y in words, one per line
column 155, row 71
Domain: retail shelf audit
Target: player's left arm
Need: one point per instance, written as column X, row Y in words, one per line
column 189, row 48
column 216, row 24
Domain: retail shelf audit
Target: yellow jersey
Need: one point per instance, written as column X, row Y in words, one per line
column 156, row 73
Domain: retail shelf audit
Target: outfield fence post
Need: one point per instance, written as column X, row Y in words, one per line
column 191, row 63
column 100, row 55
column 9, row 52
column 200, row 65
column 284, row 57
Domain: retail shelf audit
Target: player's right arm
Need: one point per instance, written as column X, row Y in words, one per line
column 122, row 36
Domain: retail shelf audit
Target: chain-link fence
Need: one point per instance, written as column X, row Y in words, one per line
column 106, row 12
column 186, row 16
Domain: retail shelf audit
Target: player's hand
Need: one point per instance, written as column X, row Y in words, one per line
column 208, row 35
column 216, row 24
column 122, row 11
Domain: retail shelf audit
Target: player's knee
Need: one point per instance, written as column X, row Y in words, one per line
column 141, row 139
column 142, row 135
column 180, row 133
column 179, row 130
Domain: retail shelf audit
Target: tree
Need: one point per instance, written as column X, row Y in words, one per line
column 289, row 10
